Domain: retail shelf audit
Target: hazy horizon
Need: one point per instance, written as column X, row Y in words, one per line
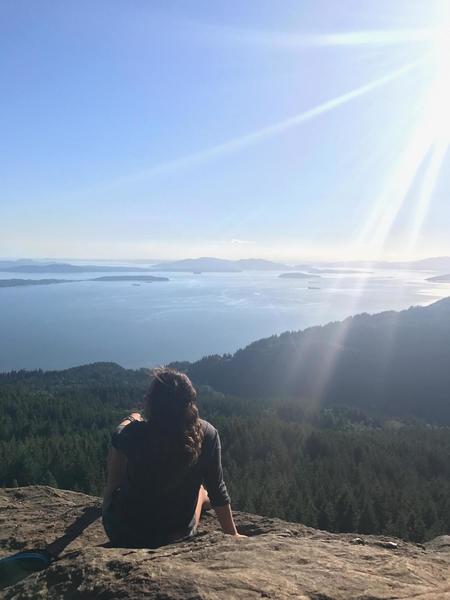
column 269, row 258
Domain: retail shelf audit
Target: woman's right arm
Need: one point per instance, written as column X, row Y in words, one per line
column 225, row 518
column 217, row 491
column 117, row 462
column 116, row 469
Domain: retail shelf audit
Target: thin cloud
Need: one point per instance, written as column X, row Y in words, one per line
column 237, row 241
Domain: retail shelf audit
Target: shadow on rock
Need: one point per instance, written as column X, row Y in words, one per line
column 16, row 567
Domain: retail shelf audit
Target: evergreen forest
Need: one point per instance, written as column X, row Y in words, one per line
column 337, row 467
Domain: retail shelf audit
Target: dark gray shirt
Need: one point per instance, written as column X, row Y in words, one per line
column 157, row 498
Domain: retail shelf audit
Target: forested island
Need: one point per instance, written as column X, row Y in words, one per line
column 297, row 275
column 137, row 278
column 67, row 268
column 4, row 283
column 107, row 278
column 367, row 452
column 208, row 264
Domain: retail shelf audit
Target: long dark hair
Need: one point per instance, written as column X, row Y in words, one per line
column 171, row 409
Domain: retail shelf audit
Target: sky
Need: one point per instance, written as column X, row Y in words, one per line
column 289, row 129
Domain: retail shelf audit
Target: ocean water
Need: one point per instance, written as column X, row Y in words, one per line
column 68, row 324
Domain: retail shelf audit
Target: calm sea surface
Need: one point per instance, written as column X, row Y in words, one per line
column 58, row 326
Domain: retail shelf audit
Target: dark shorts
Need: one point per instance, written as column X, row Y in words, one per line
column 123, row 536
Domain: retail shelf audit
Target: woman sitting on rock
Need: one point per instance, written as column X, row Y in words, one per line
column 157, row 466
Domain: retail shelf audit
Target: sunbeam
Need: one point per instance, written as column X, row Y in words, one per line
column 375, row 231
column 250, row 139
column 274, row 39
column 430, row 136
column 438, row 154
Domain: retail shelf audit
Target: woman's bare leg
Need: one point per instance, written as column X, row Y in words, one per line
column 202, row 502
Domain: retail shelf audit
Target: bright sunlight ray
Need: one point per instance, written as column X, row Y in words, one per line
column 273, row 39
column 250, row 139
column 438, row 154
column 430, row 138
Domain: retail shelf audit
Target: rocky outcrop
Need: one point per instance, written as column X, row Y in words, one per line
column 278, row 560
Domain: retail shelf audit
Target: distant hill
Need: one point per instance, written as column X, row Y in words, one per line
column 6, row 264
column 394, row 363
column 140, row 278
column 259, row 264
column 440, row 279
column 4, row 283
column 205, row 264
column 219, row 265
column 437, row 263
column 297, row 275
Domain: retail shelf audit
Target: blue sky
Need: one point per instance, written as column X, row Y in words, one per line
column 166, row 129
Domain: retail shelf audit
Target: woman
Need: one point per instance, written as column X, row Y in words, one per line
column 157, row 466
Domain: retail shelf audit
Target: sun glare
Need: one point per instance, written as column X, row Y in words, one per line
column 425, row 151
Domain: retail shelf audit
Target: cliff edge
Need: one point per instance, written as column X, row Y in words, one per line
column 279, row 560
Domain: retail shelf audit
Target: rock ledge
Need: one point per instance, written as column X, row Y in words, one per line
column 279, row 560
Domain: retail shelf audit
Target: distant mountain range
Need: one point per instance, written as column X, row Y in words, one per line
column 210, row 264
column 67, row 268
column 189, row 265
column 207, row 264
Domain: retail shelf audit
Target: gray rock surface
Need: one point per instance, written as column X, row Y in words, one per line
column 278, row 560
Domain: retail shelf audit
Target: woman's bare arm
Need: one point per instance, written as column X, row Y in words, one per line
column 117, row 464
column 116, row 469
column 225, row 518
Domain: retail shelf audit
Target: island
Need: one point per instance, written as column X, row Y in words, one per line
column 298, row 275
column 140, row 278
column 4, row 283
column 208, row 264
column 69, row 268
column 338, row 271
column 439, row 279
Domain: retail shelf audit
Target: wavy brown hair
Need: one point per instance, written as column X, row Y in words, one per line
column 171, row 409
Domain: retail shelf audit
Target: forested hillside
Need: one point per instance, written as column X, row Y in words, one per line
column 392, row 363
column 336, row 468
